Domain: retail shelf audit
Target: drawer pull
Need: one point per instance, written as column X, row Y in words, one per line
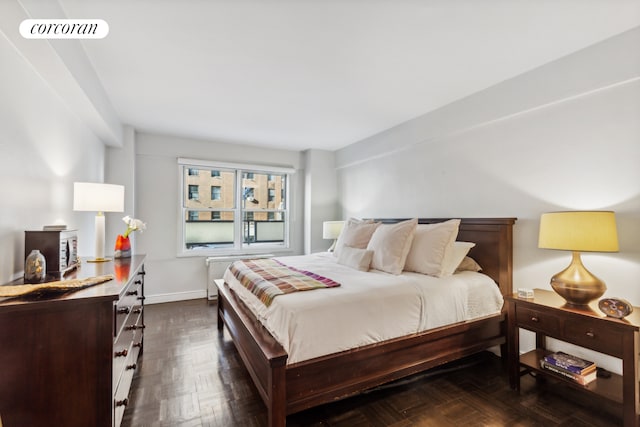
column 122, row 353
column 138, row 282
column 142, row 298
column 138, row 344
column 132, row 293
column 124, row 310
column 123, row 402
column 132, row 366
column 134, row 327
column 590, row 334
column 535, row 319
column 137, row 311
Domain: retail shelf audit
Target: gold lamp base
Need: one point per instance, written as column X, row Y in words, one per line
column 576, row 284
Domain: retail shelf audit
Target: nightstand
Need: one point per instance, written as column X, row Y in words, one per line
column 548, row 315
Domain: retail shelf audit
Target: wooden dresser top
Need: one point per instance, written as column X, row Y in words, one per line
column 123, row 269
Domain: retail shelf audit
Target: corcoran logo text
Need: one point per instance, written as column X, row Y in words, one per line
column 64, row 28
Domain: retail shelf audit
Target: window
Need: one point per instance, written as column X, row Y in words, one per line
column 193, row 192
column 216, row 191
column 248, row 211
column 193, row 172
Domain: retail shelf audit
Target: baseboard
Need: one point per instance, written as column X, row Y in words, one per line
column 175, row 296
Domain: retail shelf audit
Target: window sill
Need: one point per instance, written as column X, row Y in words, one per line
column 262, row 251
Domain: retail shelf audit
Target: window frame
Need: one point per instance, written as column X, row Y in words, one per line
column 239, row 247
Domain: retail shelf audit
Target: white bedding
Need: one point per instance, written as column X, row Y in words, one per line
column 368, row 307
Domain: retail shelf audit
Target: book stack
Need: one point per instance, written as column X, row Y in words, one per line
column 572, row 367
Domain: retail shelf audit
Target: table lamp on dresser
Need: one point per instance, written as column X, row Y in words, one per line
column 98, row 197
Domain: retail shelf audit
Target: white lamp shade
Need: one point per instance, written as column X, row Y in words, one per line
column 332, row 229
column 97, row 197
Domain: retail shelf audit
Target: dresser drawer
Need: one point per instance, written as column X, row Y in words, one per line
column 126, row 305
column 538, row 321
column 121, row 394
column 129, row 338
column 595, row 335
column 121, row 350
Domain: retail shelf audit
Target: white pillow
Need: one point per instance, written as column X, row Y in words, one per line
column 355, row 233
column 390, row 244
column 360, row 259
column 431, row 243
column 468, row 264
column 453, row 259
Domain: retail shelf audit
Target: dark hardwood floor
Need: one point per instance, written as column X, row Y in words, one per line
column 190, row 375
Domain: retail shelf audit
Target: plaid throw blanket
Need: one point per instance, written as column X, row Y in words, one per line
column 268, row 278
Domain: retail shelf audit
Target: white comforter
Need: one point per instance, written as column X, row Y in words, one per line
column 368, row 307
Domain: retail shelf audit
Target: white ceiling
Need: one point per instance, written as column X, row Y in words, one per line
column 326, row 73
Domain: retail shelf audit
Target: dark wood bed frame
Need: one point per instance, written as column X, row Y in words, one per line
column 287, row 389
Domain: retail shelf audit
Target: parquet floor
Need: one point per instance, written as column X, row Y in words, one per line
column 190, row 375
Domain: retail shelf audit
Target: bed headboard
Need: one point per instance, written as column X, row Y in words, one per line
column 494, row 245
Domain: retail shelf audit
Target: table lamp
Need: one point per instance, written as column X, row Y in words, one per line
column 331, row 230
column 578, row 231
column 97, row 197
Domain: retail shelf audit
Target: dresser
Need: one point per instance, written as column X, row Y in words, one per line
column 548, row 315
column 68, row 360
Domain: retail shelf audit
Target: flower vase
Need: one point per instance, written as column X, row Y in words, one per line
column 123, row 247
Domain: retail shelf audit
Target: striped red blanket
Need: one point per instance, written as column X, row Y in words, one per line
column 268, row 278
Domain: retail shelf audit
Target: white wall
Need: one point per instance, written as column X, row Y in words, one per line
column 120, row 168
column 321, row 198
column 44, row 148
column 170, row 277
column 564, row 136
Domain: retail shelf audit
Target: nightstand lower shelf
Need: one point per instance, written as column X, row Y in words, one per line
column 609, row 388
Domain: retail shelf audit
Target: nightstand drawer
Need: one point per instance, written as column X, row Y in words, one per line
column 537, row 321
column 594, row 335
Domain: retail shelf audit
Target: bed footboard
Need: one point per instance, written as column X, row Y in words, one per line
column 337, row 376
column 263, row 356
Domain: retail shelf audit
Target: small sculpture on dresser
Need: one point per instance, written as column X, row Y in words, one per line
column 35, row 267
column 615, row 307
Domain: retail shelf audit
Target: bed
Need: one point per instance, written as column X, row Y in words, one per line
column 288, row 388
